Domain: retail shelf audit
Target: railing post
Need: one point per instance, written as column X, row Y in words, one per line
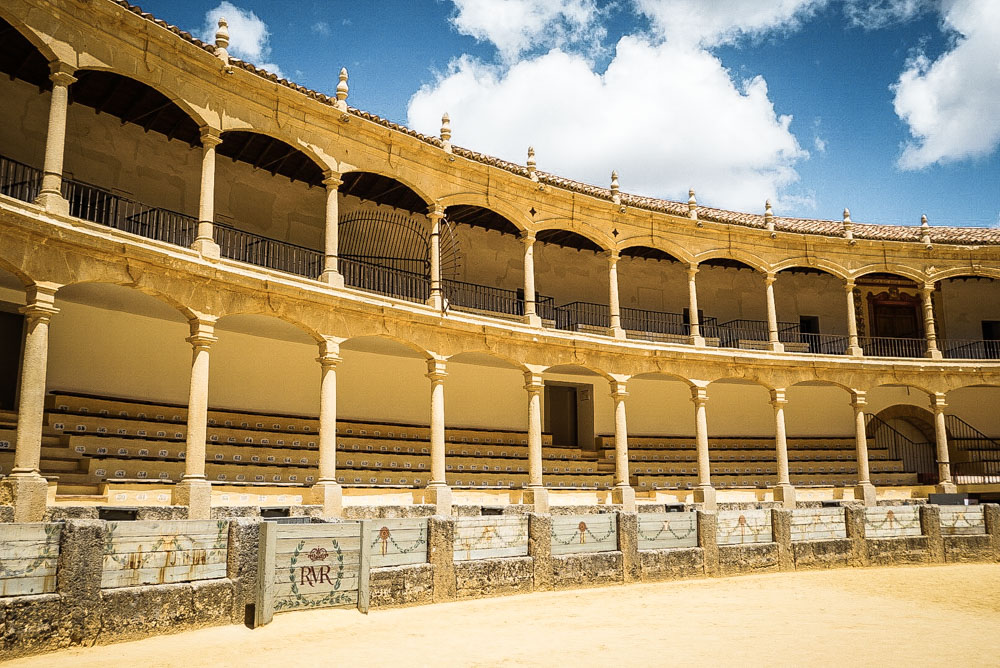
column 331, row 271
column 50, row 196
column 194, row 490
column 535, row 493
column 864, row 491
column 929, row 333
column 614, row 308
column 25, row 488
column 784, row 492
column 853, row 347
column 204, row 243
column 530, row 300
column 622, row 493
column 694, row 325
column 772, row 314
column 436, row 215
column 327, row 492
column 945, row 483
column 438, row 491
column 704, row 493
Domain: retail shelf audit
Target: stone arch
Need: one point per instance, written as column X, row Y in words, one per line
column 419, row 193
column 904, row 272
column 575, row 369
column 470, row 357
column 313, row 178
column 185, row 312
column 591, row 234
column 919, row 418
column 16, row 271
column 27, row 33
column 748, row 259
column 309, row 333
column 492, row 203
column 820, row 264
column 959, row 272
column 658, row 244
column 377, row 343
column 656, row 375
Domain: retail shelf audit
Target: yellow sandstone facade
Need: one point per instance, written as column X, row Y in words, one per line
column 216, row 239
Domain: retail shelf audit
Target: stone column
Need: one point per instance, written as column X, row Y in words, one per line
column 194, row 490
column 784, row 493
column 438, row 491
column 331, row 273
column 50, row 196
column 25, row 488
column 535, row 493
column 945, row 483
column 853, row 346
column 704, row 493
column 772, row 315
column 327, row 492
column 694, row 325
column 864, row 491
column 929, row 331
column 614, row 308
column 436, row 300
column 530, row 300
column 204, row 243
column 622, row 493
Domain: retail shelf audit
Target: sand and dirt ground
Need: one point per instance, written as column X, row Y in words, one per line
column 888, row 616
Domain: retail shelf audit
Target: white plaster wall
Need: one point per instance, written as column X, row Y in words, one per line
column 819, row 411
column 962, row 306
column 809, row 294
column 25, row 118
column 659, row 408
column 739, row 410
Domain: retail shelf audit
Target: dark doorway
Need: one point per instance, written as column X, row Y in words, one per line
column 809, row 324
column 11, row 336
column 561, row 411
column 898, row 321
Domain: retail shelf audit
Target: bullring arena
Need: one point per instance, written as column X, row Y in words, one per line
column 265, row 354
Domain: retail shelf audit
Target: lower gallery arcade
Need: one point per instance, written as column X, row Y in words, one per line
column 143, row 404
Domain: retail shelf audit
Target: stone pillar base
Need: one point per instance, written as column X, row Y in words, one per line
column 28, row 494
column 706, row 497
column 616, row 332
column 537, row 497
column 439, row 494
column 330, row 497
column 207, row 248
column 865, row 492
column 196, row 494
column 54, row 202
column 946, row 488
column 436, row 302
column 785, row 495
column 698, row 341
column 624, row 495
column 934, row 354
column 534, row 320
column 854, row 351
column 332, row 278
column 775, row 347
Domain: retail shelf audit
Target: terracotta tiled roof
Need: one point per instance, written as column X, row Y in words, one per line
column 938, row 234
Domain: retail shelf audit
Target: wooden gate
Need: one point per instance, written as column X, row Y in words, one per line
column 303, row 566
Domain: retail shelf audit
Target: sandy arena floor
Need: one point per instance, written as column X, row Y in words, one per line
column 897, row 616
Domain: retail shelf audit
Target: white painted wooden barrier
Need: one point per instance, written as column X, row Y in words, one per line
column 664, row 531
column 739, row 527
column 320, row 565
column 818, row 524
column 491, row 537
column 397, row 542
column 144, row 553
column 892, row 521
column 962, row 520
column 29, row 556
column 572, row 534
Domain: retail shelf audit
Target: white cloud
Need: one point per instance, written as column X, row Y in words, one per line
column 714, row 22
column 248, row 34
column 876, row 14
column 517, row 26
column 321, row 28
column 951, row 103
column 667, row 117
column 819, row 143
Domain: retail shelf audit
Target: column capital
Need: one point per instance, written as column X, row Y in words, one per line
column 61, row 73
column 331, row 179
column 699, row 395
column 528, row 237
column 40, row 301
column 939, row 402
column 619, row 389
column 533, row 382
column 692, row 269
column 437, row 370
column 859, row 399
column 202, row 332
column 770, row 277
column 849, row 284
column 613, row 255
column 329, row 354
column 778, row 398
column 927, row 289
column 435, row 212
column 210, row 137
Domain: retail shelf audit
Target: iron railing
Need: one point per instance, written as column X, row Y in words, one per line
column 265, row 252
column 658, row 322
column 570, row 316
column 970, row 349
column 825, row 344
column 385, row 281
column 19, row 180
column 981, row 472
column 884, row 346
column 461, row 294
column 919, row 458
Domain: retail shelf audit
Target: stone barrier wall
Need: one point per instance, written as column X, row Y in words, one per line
column 211, row 568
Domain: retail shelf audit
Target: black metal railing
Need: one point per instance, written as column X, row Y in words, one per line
column 19, row 180
column 482, row 297
column 265, row 252
column 970, row 349
column 658, row 322
column 884, row 346
column 385, row 281
column 825, row 344
column 919, row 458
column 978, row 472
column 570, row 316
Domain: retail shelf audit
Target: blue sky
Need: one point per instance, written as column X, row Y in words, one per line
column 888, row 107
